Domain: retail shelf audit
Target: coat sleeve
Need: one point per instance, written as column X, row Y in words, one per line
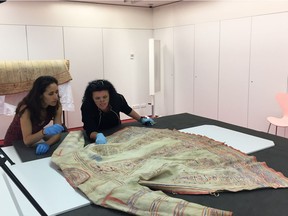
column 90, row 119
column 125, row 108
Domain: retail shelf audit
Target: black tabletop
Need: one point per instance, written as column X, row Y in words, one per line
column 264, row 202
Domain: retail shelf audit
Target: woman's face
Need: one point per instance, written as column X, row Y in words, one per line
column 101, row 99
column 50, row 96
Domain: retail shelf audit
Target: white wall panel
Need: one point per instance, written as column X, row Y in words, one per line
column 164, row 100
column 13, row 42
column 13, row 47
column 206, row 69
column 83, row 48
column 126, row 63
column 74, row 14
column 188, row 12
column 269, row 67
column 268, row 56
column 183, row 69
column 45, row 42
column 234, row 71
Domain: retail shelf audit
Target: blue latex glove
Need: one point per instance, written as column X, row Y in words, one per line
column 147, row 121
column 42, row 148
column 53, row 129
column 100, row 139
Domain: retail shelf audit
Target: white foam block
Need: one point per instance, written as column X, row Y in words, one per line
column 47, row 186
column 10, row 151
column 240, row 141
column 7, row 204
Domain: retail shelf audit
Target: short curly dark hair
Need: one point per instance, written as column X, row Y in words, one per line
column 98, row 85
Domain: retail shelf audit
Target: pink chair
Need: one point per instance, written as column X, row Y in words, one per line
column 282, row 99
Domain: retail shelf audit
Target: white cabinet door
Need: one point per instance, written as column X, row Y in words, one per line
column 126, row 64
column 206, row 69
column 13, row 45
column 234, row 71
column 45, row 42
column 269, row 67
column 13, row 42
column 164, row 100
column 183, row 69
column 83, row 48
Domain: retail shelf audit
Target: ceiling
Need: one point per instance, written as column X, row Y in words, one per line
column 135, row 3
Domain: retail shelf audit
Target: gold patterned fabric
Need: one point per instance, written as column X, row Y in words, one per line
column 130, row 172
column 18, row 76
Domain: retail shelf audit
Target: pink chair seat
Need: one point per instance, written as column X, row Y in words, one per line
column 280, row 122
column 282, row 99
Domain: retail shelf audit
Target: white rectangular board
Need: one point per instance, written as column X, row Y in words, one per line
column 7, row 204
column 47, row 186
column 243, row 142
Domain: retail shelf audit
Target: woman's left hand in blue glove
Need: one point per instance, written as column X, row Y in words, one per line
column 42, row 148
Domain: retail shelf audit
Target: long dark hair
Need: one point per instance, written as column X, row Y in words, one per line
column 32, row 101
column 98, row 85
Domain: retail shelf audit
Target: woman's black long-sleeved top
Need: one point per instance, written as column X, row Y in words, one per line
column 95, row 119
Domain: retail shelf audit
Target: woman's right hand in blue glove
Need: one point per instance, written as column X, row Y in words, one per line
column 147, row 121
column 42, row 148
column 100, row 139
column 53, row 129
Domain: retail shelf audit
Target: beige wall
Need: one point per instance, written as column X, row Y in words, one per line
column 66, row 14
column 75, row 14
column 107, row 16
column 186, row 13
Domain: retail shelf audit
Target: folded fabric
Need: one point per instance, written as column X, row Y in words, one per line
column 135, row 160
column 18, row 76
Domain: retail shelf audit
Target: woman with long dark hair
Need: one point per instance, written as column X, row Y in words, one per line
column 34, row 112
column 101, row 107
